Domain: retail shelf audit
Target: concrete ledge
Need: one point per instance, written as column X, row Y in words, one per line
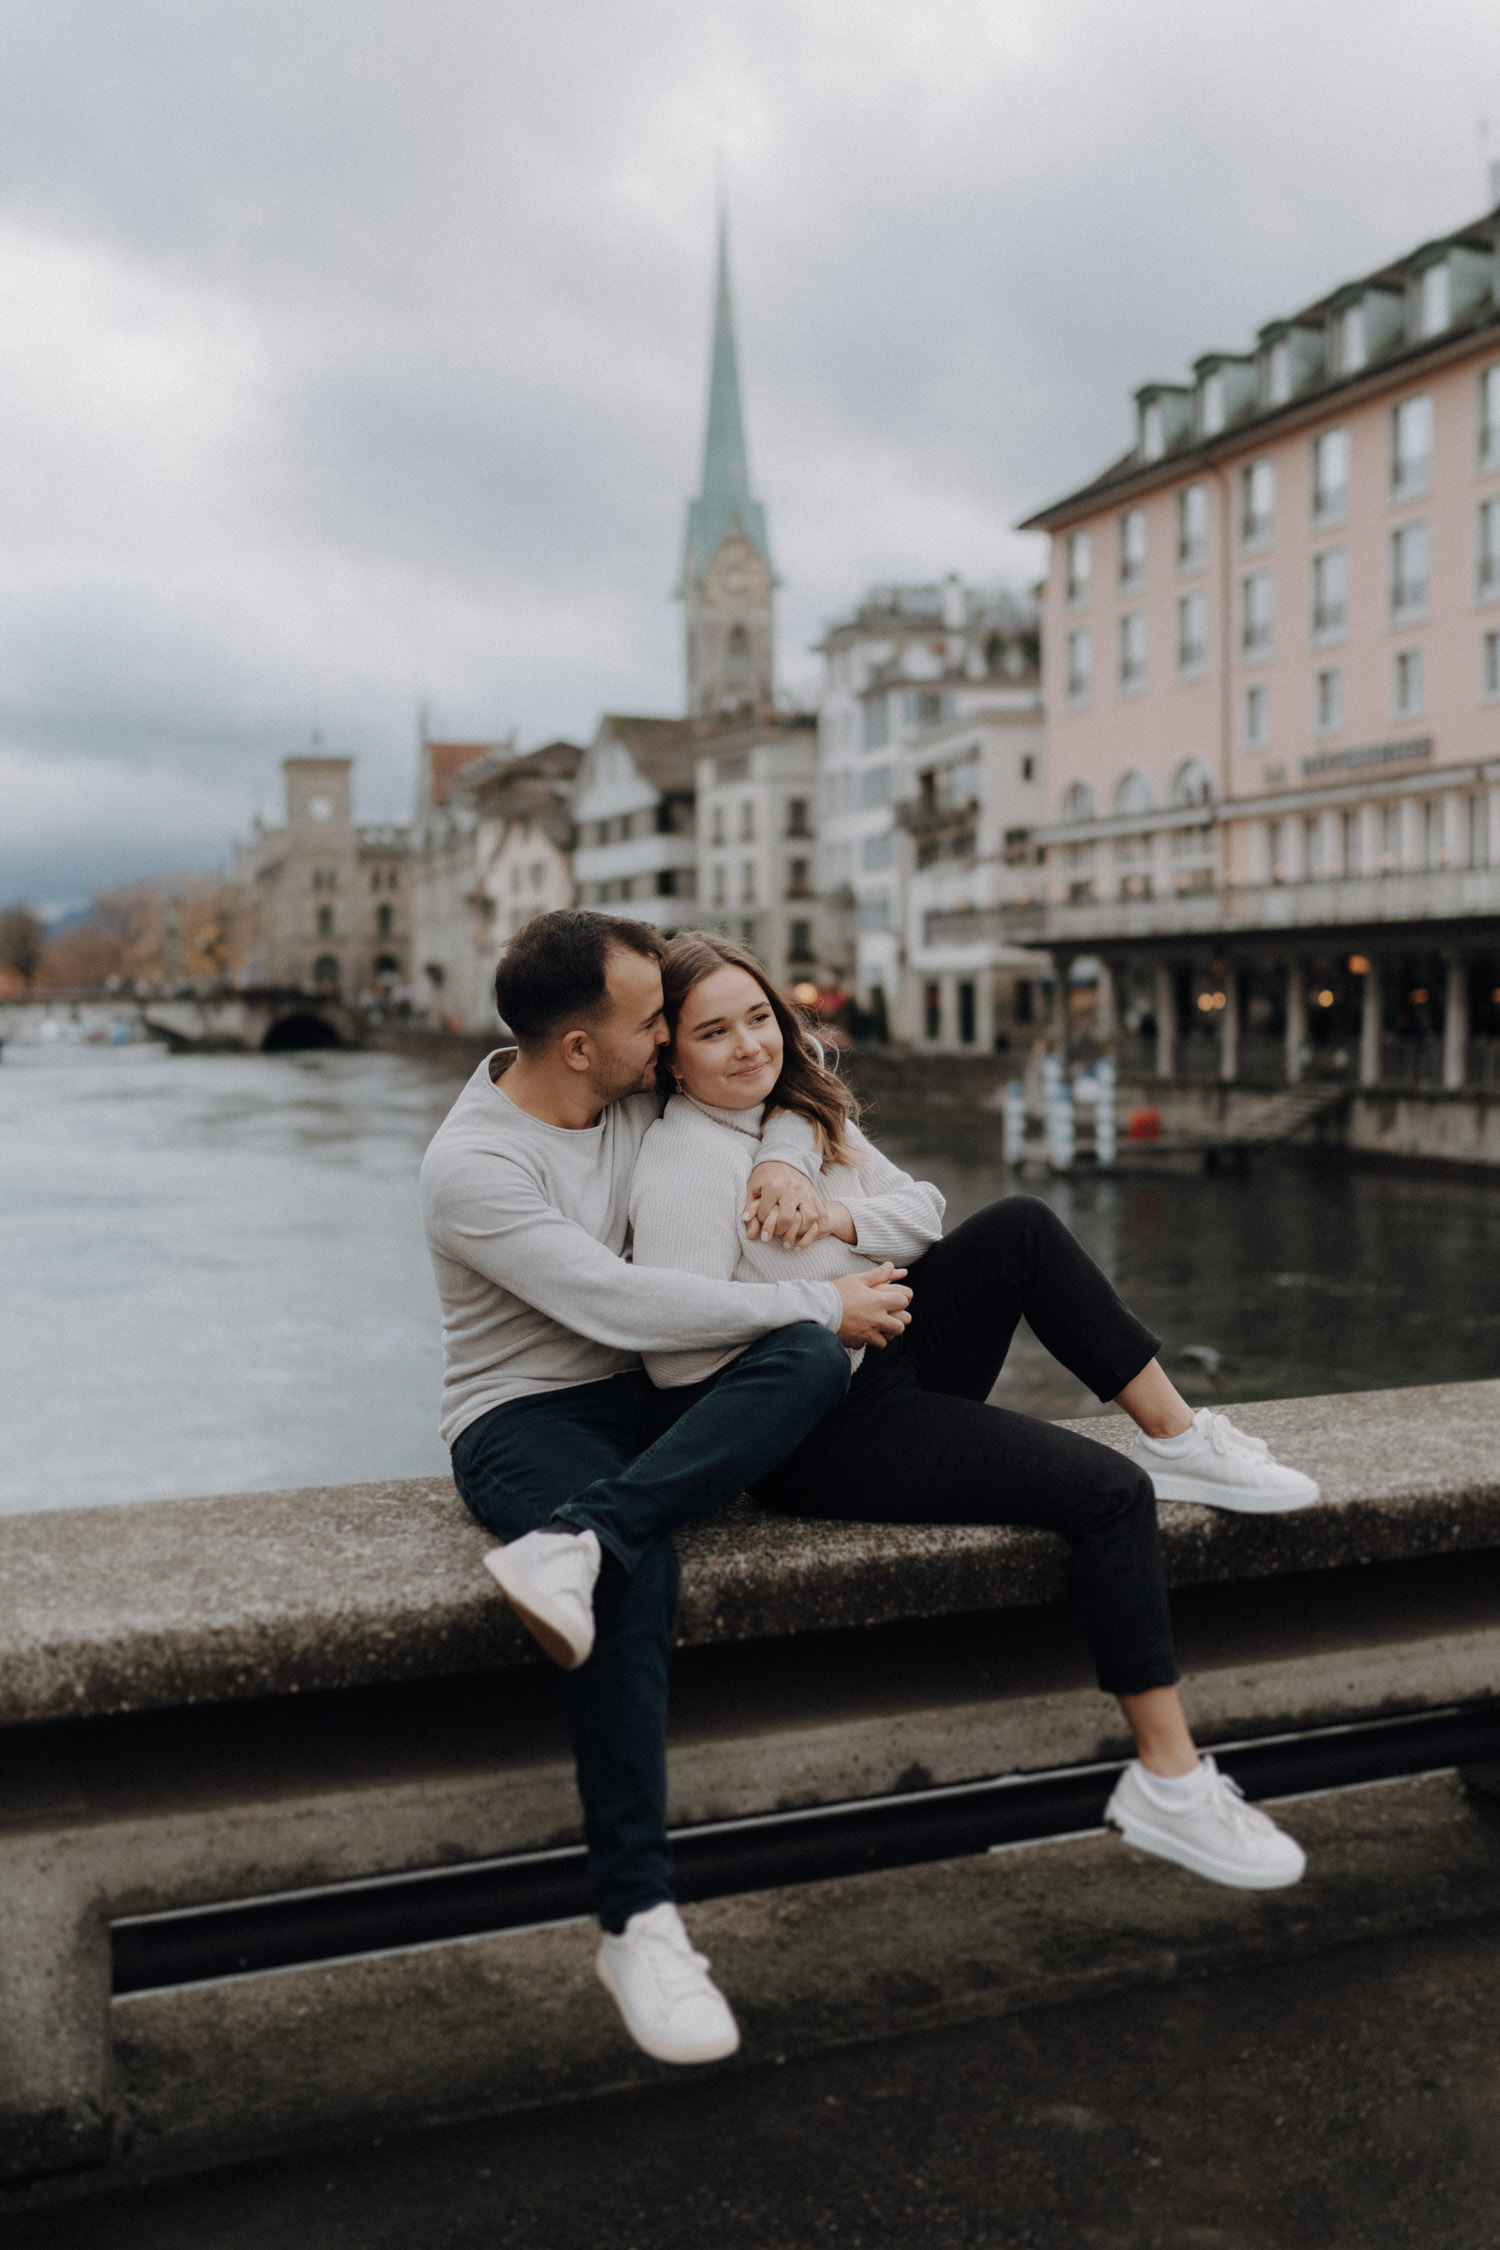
column 172, row 1603
column 239, row 2069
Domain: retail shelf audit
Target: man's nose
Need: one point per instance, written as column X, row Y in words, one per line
column 661, row 1035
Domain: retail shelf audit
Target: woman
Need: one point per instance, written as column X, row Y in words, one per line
column 914, row 1442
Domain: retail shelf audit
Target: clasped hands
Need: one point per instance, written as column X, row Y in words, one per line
column 781, row 1204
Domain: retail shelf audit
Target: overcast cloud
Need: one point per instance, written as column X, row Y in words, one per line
column 355, row 354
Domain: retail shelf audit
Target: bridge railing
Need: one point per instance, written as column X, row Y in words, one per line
column 219, row 1700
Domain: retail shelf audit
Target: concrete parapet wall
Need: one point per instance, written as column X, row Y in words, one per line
column 209, row 1700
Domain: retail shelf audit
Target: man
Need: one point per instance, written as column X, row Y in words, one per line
column 561, row 1445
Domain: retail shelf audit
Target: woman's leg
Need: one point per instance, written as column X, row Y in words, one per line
column 1016, row 1259
column 896, row 1453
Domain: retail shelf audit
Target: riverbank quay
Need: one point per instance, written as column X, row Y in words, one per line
column 267, row 1763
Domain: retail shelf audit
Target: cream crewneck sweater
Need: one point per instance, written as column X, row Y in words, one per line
column 688, row 1191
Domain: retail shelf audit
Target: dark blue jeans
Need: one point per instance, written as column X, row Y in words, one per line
column 632, row 1463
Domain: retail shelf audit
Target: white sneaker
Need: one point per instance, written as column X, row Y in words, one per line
column 671, row 2005
column 548, row 1579
column 1214, row 1831
column 1223, row 1468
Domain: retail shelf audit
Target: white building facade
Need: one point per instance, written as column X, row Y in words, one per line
column 757, row 845
column 910, row 659
column 635, row 851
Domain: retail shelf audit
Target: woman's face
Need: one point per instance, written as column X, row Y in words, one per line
column 727, row 1051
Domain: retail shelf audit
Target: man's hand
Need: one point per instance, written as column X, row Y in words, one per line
column 874, row 1306
column 781, row 1202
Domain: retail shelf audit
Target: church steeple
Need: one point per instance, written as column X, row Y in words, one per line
column 726, row 570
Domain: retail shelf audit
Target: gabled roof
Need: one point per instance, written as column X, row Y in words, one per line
column 665, row 751
column 445, row 761
column 523, row 783
column 724, row 503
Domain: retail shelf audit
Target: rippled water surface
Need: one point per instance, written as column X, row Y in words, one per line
column 215, row 1279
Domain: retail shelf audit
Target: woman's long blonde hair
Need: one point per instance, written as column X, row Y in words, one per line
column 806, row 1085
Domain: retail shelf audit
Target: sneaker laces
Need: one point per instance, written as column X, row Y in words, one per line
column 681, row 1971
column 1229, row 1800
column 1225, row 1438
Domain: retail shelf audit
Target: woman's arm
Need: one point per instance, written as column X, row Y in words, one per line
column 891, row 1214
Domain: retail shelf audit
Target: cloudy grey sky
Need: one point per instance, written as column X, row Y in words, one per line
column 353, row 352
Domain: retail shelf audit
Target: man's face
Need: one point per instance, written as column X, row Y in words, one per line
column 626, row 1041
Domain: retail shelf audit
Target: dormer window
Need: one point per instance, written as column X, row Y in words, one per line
column 1436, row 299
column 1279, row 372
column 1353, row 351
column 1153, row 430
column 1211, row 405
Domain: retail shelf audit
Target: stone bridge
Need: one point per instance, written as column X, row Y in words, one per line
column 266, row 1020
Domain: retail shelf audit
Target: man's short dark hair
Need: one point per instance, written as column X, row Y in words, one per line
column 552, row 973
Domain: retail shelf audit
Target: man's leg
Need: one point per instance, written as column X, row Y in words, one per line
column 719, row 1437
column 514, row 1468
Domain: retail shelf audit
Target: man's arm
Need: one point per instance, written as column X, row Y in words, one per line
column 782, row 1195
column 511, row 1235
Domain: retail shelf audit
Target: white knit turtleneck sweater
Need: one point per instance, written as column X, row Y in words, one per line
column 688, row 1191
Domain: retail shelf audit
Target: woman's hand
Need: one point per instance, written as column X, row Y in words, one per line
column 782, row 1204
column 835, row 1219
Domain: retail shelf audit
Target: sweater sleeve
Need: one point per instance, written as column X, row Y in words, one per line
column 507, row 1231
column 787, row 1138
column 894, row 1215
column 685, row 1202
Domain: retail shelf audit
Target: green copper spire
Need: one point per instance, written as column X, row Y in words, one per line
column 724, row 503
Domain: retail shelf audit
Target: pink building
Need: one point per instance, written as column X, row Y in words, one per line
column 1272, row 676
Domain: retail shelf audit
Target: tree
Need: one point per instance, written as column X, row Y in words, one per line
column 22, row 940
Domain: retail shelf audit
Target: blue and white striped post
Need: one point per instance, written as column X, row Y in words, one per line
column 1104, row 1110
column 1013, row 1118
column 1058, row 1100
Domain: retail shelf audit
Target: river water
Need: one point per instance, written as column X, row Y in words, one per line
column 215, row 1279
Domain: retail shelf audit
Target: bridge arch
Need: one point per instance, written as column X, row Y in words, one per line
column 299, row 1031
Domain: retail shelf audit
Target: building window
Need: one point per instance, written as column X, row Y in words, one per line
column 1028, row 768
column 875, row 852
column 747, row 820
column 1153, row 430
column 1489, row 418
column 799, row 942
column 326, row 969
column 1133, row 650
column 325, row 921
column 1192, row 635
column 1330, row 485
column 1211, row 404
column 1349, row 852
column 1079, row 569
column 1192, row 526
column 1312, row 847
column 720, row 884
column 716, row 825
column 798, row 878
column 876, row 722
column 1330, row 593
column 1257, row 717
column 1255, row 613
column 1411, row 446
column 966, row 1014
column 797, row 820
column 1352, row 340
column 932, row 1011
column 1488, row 570
column 747, row 882
column 1080, row 664
column 384, row 921
column 1257, row 503
column 874, row 787
column 1276, row 849
column 1434, row 842
column 875, row 913
column 1409, row 570
column 1479, row 832
column 924, row 707
column 1133, row 547
column 1077, row 802
column 1489, row 666
column 1328, row 700
column 1408, row 683
column 1436, row 300
column 1390, row 839
column 375, row 880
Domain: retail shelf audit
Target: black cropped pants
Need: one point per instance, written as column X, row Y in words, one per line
column 914, row 1442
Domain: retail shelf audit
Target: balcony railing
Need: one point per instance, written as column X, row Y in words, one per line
column 1331, row 902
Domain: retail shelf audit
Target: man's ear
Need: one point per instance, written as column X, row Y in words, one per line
column 577, row 1050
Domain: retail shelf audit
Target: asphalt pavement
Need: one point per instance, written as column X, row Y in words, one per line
column 1350, row 2101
